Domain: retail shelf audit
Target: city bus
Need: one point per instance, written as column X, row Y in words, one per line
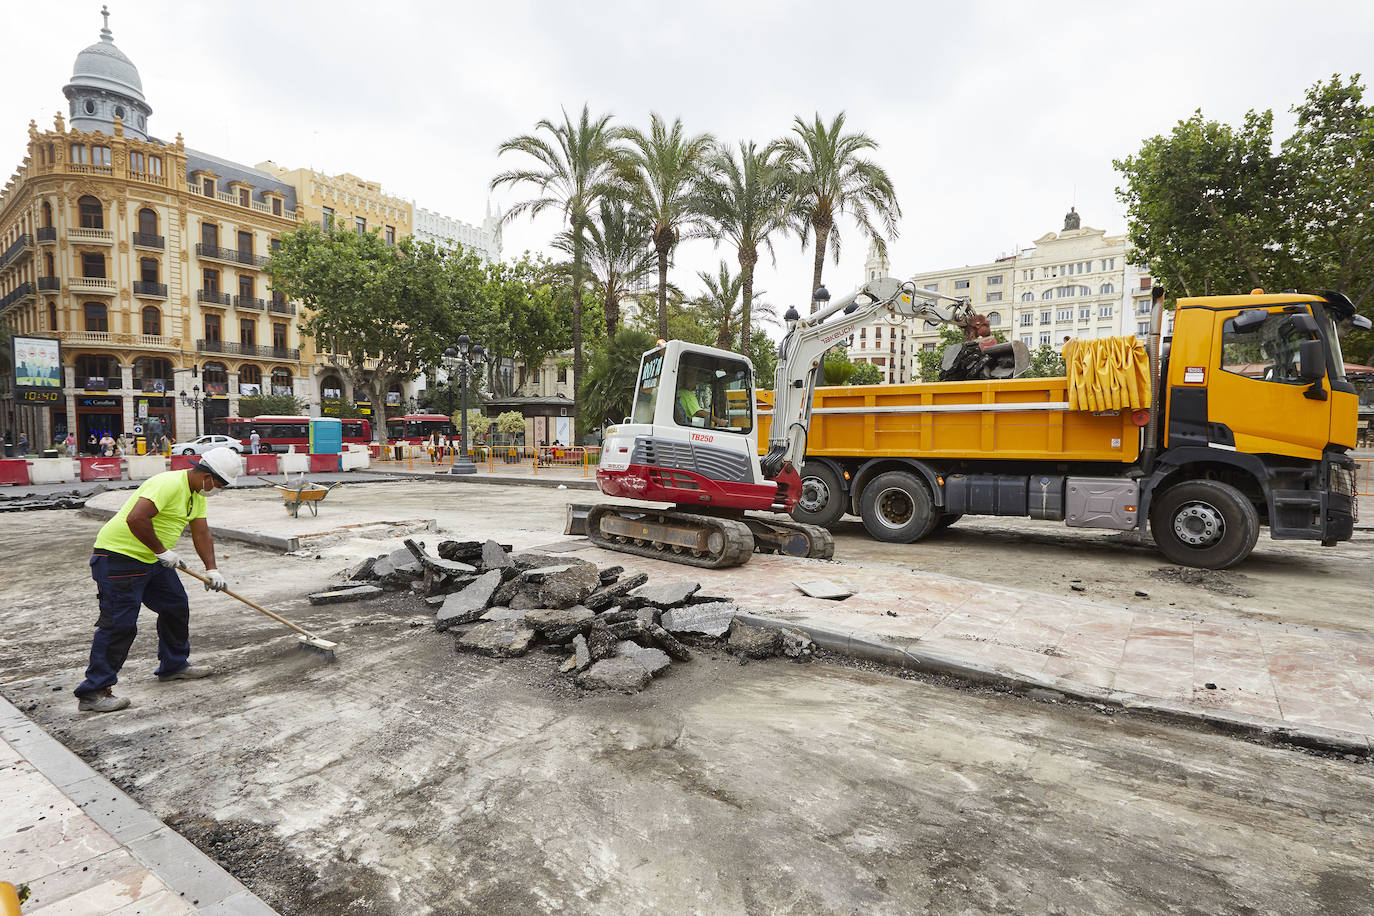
column 277, row 434
column 416, row 428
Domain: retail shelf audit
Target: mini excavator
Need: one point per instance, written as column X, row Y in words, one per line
column 691, row 439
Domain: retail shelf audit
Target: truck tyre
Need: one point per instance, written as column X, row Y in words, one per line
column 949, row 518
column 823, row 499
column 896, row 506
column 1204, row 523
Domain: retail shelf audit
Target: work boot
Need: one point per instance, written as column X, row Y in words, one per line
column 189, row 673
column 105, row 701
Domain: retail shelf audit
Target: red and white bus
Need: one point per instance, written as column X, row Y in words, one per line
column 277, row 434
column 416, row 428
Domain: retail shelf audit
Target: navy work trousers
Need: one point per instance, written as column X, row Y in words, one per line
column 124, row 586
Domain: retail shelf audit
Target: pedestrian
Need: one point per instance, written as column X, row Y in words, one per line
column 92, row 445
column 71, row 445
column 434, row 447
column 253, row 441
column 166, row 445
column 134, row 565
column 23, row 445
column 106, row 445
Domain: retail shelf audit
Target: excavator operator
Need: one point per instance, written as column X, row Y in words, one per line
column 687, row 409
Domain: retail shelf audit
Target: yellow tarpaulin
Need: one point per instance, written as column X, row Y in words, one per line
column 1109, row 373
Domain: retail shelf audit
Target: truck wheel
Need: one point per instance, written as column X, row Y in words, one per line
column 949, row 518
column 896, row 506
column 822, row 500
column 1204, row 523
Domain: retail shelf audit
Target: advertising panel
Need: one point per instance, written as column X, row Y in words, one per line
column 37, row 370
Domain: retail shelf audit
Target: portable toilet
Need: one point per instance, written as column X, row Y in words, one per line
column 326, row 435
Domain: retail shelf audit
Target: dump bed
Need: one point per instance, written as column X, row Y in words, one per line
column 977, row 420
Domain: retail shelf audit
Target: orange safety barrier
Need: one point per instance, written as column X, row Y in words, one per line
column 1364, row 476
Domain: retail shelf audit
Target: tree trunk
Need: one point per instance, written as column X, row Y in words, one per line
column 377, row 391
column 577, row 319
column 822, row 236
column 748, row 258
column 610, row 306
column 662, row 290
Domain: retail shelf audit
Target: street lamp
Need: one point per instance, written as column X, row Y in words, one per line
column 461, row 360
column 194, row 402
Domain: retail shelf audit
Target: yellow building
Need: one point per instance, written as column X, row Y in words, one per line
column 144, row 259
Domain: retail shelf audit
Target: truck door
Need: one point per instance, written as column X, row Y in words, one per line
column 1255, row 390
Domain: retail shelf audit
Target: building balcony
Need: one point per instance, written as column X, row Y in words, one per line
column 233, row 348
column 226, row 197
column 50, row 284
column 148, row 177
column 98, row 285
column 20, row 247
column 249, row 302
column 46, row 234
column 231, row 255
column 213, row 297
column 281, row 307
column 105, row 340
column 84, row 236
column 145, row 240
column 20, row 293
column 150, row 290
column 83, row 168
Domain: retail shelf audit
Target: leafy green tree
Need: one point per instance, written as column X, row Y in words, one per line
column 666, row 167
column 619, row 259
column 1046, row 362
column 521, row 311
column 764, row 353
column 382, row 312
column 743, row 201
column 574, row 169
column 282, row 405
column 510, row 423
column 865, row 374
column 608, row 392
column 830, row 178
column 721, row 307
column 837, row 367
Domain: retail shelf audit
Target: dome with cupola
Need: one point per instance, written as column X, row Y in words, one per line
column 105, row 85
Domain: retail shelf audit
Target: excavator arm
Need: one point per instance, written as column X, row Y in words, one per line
column 803, row 349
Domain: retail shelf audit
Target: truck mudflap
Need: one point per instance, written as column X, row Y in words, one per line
column 1325, row 511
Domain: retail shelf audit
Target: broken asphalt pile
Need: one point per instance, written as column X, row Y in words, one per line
column 74, row 499
column 618, row 630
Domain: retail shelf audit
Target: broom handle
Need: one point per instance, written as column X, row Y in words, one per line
column 257, row 607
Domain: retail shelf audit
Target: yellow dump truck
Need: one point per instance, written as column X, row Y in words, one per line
column 1213, row 451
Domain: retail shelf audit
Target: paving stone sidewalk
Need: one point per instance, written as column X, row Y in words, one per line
column 1317, row 684
column 84, row 847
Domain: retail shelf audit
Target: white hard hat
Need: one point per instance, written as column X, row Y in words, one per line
column 224, row 463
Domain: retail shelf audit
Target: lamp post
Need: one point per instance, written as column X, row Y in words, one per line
column 194, row 402
column 467, row 355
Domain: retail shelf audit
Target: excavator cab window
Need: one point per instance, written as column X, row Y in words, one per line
column 713, row 393
column 646, row 392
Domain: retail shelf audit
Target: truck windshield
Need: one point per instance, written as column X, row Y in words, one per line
column 1332, row 333
column 650, row 369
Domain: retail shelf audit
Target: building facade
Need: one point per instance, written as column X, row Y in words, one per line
column 447, row 232
column 144, row 259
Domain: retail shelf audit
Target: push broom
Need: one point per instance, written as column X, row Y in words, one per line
column 306, row 641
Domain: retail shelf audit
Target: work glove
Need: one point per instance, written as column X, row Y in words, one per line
column 216, row 583
column 169, row 559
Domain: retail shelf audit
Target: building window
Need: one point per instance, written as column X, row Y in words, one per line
column 213, row 331
column 92, row 213
column 1045, row 339
column 97, row 317
column 331, row 387
column 207, row 187
column 245, row 286
column 100, row 155
column 246, row 243
column 155, row 166
column 248, row 332
column 281, row 382
column 995, row 281
column 1027, row 319
column 1142, row 328
column 1063, row 315
column 249, row 375
column 209, row 280
column 391, row 235
column 245, row 197
column 360, row 225
column 209, row 234
column 1045, row 317
column 47, row 215
column 1049, row 293
column 995, row 297
column 276, row 206
column 152, row 321
column 92, row 265
column 562, row 375
column 279, row 335
column 1107, row 289
column 52, row 316
column 961, row 284
column 994, row 319
column 1085, row 314
column 1104, row 311
column 1142, row 307
column 328, row 217
column 147, row 222
column 147, row 269
column 49, row 265
column 1144, row 282
column 1028, row 297
column 80, row 155
column 933, row 287
column 1028, row 340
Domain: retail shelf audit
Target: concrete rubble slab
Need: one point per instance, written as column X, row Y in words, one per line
column 664, row 595
column 667, row 642
column 503, row 613
column 582, row 656
column 824, row 588
column 655, row 660
column 708, row 619
column 753, row 642
column 340, row 595
column 611, row 593
column 467, row 605
column 620, row 673
column 544, row 620
column 497, row 638
column 494, row 556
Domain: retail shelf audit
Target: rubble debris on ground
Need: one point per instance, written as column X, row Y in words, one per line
column 72, row 499
column 611, row 630
column 824, row 588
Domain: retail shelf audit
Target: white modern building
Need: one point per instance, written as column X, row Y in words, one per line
column 447, row 232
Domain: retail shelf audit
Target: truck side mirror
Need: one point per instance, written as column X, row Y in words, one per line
column 1249, row 319
column 1311, row 360
column 1360, row 322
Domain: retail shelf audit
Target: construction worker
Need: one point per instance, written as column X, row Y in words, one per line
column 134, row 564
column 687, row 409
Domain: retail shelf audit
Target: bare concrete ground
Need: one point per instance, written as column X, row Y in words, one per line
column 407, row 779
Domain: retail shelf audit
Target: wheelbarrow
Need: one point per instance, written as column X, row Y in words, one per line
column 302, row 493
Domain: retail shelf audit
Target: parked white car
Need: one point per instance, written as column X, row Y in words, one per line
column 205, row 443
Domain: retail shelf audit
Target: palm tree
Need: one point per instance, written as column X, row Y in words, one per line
column 618, row 260
column 667, row 167
column 576, row 167
column 721, row 308
column 829, row 178
column 744, row 202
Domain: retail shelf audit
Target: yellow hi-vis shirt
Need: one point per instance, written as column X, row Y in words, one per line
column 170, row 492
column 690, row 405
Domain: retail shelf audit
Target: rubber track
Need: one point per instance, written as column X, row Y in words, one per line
column 739, row 540
column 821, row 540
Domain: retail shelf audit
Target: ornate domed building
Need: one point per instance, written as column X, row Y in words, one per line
column 105, row 85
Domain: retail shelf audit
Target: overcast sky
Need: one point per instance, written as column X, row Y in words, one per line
column 992, row 118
